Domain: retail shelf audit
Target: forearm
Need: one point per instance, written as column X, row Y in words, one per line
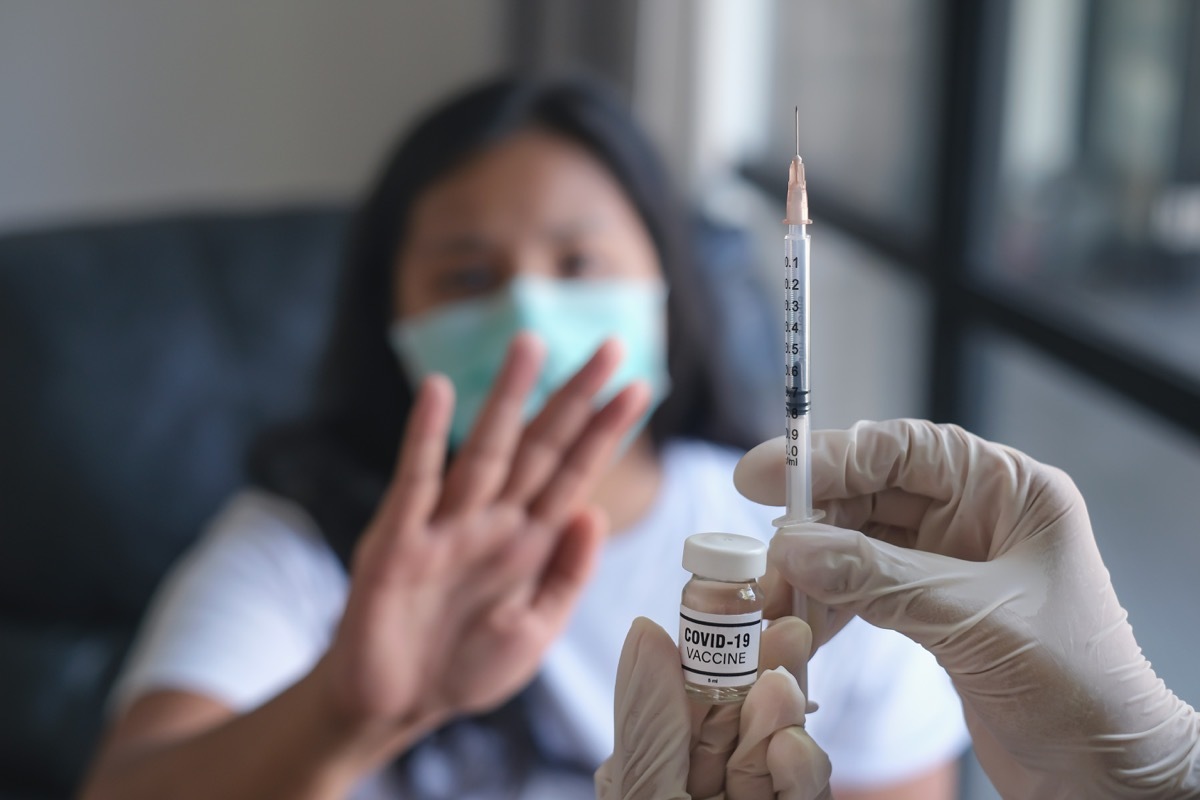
column 296, row 746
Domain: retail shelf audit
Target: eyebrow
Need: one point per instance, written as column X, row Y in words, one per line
column 470, row 243
column 459, row 243
column 575, row 228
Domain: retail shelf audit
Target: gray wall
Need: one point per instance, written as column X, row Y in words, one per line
column 128, row 106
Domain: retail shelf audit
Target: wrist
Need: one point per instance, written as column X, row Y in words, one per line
column 361, row 737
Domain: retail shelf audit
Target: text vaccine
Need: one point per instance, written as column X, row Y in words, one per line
column 720, row 615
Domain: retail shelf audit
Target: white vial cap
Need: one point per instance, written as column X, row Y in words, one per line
column 725, row 556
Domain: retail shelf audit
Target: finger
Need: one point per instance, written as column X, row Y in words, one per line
column 714, row 737
column 916, row 456
column 650, row 758
column 760, row 474
column 782, row 601
column 417, row 481
column 800, row 770
column 914, row 475
column 569, row 568
column 558, row 424
column 482, row 463
column 980, row 493
column 786, row 644
column 774, row 703
column 868, row 458
column 590, row 454
column 928, row 597
column 536, row 573
column 778, row 594
column 891, row 507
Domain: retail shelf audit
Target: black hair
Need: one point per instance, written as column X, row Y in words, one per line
column 337, row 462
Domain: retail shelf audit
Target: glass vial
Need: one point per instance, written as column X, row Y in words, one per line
column 720, row 615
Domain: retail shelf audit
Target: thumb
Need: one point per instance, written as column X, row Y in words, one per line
column 925, row 596
column 650, row 754
column 761, row 475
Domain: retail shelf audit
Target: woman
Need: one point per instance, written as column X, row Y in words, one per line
column 345, row 615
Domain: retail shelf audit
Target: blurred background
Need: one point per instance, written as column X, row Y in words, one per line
column 1006, row 194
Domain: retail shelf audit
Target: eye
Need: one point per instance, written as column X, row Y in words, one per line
column 578, row 264
column 468, row 279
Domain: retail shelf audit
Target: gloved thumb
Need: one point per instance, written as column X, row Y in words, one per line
column 761, row 476
column 924, row 596
column 650, row 754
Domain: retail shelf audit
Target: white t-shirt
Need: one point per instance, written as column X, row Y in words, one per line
column 253, row 605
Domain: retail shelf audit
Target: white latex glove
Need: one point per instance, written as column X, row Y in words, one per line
column 670, row 747
column 987, row 559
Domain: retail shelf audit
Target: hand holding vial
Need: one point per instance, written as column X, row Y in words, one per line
column 670, row 745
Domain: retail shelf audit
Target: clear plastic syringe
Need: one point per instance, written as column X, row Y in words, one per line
column 798, row 445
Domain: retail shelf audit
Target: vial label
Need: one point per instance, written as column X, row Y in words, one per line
column 719, row 649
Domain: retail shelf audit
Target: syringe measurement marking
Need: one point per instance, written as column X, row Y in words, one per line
column 796, row 397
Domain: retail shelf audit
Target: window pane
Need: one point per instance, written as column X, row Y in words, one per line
column 1139, row 477
column 1097, row 218
column 864, row 73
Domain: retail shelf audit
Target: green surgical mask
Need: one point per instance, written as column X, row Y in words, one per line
column 467, row 340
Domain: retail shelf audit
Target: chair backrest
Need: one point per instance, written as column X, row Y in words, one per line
column 137, row 362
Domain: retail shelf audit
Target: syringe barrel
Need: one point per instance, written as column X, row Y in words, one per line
column 799, row 471
column 796, row 377
column 796, row 316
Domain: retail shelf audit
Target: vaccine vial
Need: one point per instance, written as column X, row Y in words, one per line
column 720, row 615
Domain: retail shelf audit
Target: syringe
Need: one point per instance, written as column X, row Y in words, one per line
column 798, row 445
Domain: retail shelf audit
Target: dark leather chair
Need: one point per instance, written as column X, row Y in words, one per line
column 137, row 362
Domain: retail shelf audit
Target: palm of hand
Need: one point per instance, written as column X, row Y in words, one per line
column 464, row 577
column 457, row 603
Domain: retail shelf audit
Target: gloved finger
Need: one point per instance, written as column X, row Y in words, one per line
column 760, row 474
column 650, row 755
column 925, row 596
column 777, row 594
column 714, row 737
column 979, row 493
column 785, row 644
column 782, row 600
column 913, row 455
column 800, row 770
column 890, row 508
column 914, row 476
column 775, row 703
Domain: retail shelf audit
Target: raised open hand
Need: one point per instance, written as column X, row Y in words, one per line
column 466, row 576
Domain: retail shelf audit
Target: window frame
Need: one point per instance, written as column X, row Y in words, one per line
column 974, row 35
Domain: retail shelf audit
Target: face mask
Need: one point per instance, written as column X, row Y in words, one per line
column 467, row 341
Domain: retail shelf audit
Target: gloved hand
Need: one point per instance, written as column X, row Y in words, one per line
column 987, row 559
column 670, row 747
